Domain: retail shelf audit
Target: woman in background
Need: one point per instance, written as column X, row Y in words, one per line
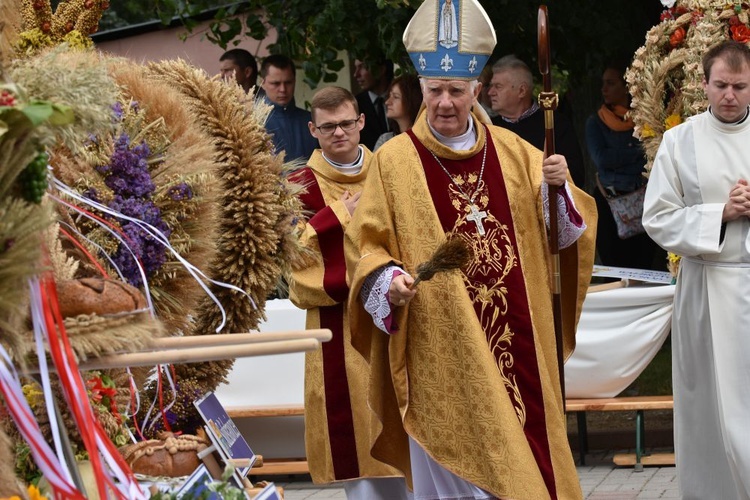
column 620, row 163
column 401, row 106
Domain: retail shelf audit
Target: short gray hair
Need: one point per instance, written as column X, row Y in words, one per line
column 513, row 63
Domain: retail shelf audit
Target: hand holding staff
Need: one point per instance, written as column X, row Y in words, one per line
column 548, row 103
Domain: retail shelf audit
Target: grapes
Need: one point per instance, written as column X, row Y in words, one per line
column 34, row 179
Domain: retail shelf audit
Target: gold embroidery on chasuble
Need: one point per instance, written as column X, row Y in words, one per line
column 493, row 258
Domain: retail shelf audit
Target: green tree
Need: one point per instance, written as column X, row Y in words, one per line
column 584, row 33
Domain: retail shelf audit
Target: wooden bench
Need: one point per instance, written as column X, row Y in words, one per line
column 580, row 407
column 273, row 466
column 638, row 404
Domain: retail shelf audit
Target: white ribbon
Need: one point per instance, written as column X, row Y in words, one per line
column 44, row 376
column 96, row 245
column 158, row 236
column 75, row 391
column 27, row 425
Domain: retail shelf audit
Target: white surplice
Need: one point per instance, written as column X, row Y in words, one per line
column 695, row 168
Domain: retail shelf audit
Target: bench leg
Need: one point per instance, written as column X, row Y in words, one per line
column 583, row 437
column 640, row 446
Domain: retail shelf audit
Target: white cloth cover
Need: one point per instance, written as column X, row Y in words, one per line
column 619, row 333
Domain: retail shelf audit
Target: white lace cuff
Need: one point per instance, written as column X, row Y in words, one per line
column 568, row 230
column 374, row 294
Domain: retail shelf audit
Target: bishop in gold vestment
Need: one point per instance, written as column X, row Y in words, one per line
column 470, row 373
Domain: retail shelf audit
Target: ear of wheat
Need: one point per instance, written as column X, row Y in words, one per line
column 452, row 254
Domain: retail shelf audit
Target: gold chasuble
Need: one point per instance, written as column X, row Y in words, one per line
column 471, row 374
column 338, row 423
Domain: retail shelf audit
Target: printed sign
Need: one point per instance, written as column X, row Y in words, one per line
column 197, row 485
column 268, row 493
column 224, row 434
column 627, row 273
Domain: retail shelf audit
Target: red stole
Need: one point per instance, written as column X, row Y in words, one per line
column 495, row 281
column 338, row 402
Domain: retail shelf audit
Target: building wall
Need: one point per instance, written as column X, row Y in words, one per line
column 166, row 44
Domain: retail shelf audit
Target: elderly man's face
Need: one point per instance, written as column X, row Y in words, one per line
column 448, row 105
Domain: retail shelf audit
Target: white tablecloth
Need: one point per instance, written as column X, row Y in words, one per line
column 619, row 333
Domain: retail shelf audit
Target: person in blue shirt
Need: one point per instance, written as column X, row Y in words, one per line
column 287, row 124
column 620, row 164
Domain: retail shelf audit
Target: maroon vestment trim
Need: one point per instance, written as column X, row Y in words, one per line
column 330, row 236
column 338, row 403
column 518, row 317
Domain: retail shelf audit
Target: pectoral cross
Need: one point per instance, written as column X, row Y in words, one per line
column 476, row 217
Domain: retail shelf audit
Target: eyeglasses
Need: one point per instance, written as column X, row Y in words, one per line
column 330, row 128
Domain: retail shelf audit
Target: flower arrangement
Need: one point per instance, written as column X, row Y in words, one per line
column 165, row 144
column 665, row 77
column 127, row 176
column 255, row 195
column 153, row 165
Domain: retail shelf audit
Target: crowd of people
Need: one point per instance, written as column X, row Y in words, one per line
column 451, row 389
column 390, row 106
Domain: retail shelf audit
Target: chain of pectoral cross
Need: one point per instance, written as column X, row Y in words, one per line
column 476, row 216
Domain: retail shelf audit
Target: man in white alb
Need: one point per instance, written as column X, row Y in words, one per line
column 698, row 206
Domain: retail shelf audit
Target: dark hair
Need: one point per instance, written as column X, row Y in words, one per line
column 733, row 53
column 241, row 58
column 374, row 63
column 411, row 96
column 277, row 61
column 330, row 98
column 620, row 65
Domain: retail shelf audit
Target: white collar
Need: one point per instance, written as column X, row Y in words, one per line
column 352, row 168
column 460, row 142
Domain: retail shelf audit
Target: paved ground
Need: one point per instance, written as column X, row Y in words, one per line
column 600, row 480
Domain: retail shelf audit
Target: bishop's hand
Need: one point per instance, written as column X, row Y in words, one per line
column 555, row 170
column 399, row 293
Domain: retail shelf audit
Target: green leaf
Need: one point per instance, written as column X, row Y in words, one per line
column 61, row 115
column 330, row 77
column 37, row 112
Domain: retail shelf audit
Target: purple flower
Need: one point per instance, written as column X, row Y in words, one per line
column 117, row 111
column 180, row 192
column 128, row 176
column 92, row 194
